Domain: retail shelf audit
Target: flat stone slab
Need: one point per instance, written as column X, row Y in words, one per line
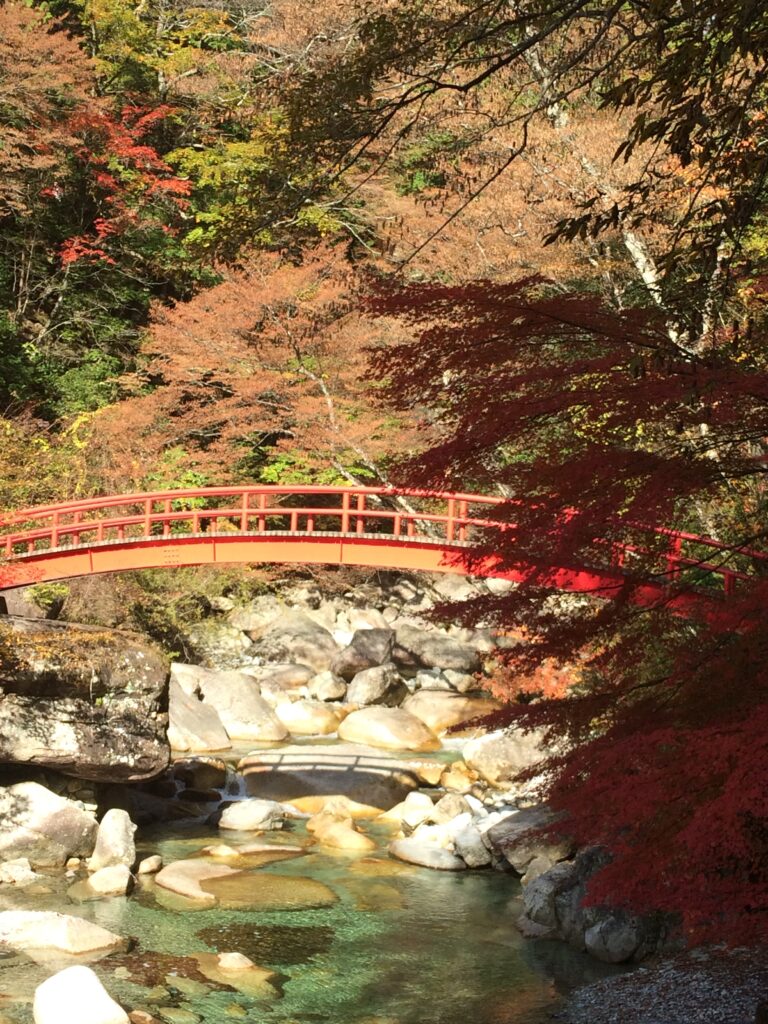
column 364, row 774
column 184, row 877
column 39, row 930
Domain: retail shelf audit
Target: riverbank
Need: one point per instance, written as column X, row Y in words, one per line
column 705, row 986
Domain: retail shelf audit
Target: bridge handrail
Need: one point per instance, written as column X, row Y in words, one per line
column 352, row 515
column 109, row 501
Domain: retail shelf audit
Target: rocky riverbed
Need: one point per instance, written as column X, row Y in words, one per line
column 314, row 743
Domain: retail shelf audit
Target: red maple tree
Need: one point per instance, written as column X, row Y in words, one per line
column 597, row 424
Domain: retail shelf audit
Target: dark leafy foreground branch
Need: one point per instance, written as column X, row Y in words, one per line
column 662, row 746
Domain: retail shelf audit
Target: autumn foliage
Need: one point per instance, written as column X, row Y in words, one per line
column 597, row 425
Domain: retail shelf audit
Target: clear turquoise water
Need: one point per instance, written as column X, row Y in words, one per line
column 415, row 947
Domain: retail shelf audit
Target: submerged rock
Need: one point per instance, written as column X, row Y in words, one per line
column 40, row 930
column 184, row 877
column 271, row 943
column 76, row 996
column 240, row 973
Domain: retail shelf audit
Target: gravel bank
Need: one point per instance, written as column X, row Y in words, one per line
column 704, row 986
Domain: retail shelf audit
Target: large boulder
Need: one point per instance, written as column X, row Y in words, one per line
column 499, row 756
column 554, row 907
column 327, row 686
column 425, row 854
column 380, row 684
column 40, row 930
column 43, row 827
column 294, row 637
column 390, row 728
column 280, row 677
column 307, row 717
column 517, row 838
column 243, row 711
column 442, row 709
column 84, row 700
column 430, row 649
column 366, row 649
column 114, row 841
column 363, row 775
column 192, row 725
column 76, row 996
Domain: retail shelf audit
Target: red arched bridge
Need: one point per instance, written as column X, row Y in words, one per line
column 362, row 526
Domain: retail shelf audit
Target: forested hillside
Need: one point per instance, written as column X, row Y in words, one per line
column 512, row 247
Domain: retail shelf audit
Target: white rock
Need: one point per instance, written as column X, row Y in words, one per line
column 150, row 865
column 114, row 841
column 113, row 880
column 415, row 809
column 327, row 686
column 442, row 709
column 41, row 826
column 244, row 713
column 425, row 854
column 233, row 962
column 17, row 872
column 192, row 725
column 390, row 728
column 307, row 717
column 76, row 996
column 499, row 756
column 468, row 844
column 248, row 815
column 46, row 930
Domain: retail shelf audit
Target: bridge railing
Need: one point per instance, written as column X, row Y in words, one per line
column 404, row 514
column 443, row 518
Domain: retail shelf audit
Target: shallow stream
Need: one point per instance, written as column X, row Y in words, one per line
column 351, row 939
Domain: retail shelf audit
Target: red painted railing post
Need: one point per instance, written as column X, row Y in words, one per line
column 360, row 524
column 450, row 525
column 147, row 517
column 262, row 517
column 345, row 512
column 244, row 513
column 673, row 558
column 166, row 522
column 463, row 526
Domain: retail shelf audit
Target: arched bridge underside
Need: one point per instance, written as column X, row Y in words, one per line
column 375, row 527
